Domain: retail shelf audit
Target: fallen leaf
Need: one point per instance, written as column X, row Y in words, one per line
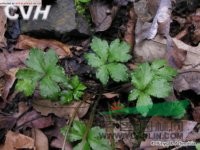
column 34, row 119
column 46, row 107
column 3, row 21
column 174, row 55
column 161, row 20
column 188, row 80
column 110, row 95
column 10, row 79
column 17, row 141
column 40, row 139
column 27, row 42
column 102, row 15
column 7, row 122
column 196, row 114
column 163, row 129
column 130, row 27
column 193, row 54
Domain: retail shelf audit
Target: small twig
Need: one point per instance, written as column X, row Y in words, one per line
column 70, row 124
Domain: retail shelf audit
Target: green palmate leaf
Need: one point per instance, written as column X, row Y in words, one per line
column 77, row 131
column 198, row 146
column 100, row 47
column 103, row 75
column 119, row 51
column 157, row 64
column 159, row 88
column 26, row 86
column 49, row 88
column 51, row 59
column 166, row 72
column 84, row 145
column 94, row 60
column 57, row 74
column 106, row 59
column 92, row 140
column 144, row 104
column 36, row 60
column 95, row 141
column 133, row 95
column 118, row 72
column 142, row 76
column 28, row 74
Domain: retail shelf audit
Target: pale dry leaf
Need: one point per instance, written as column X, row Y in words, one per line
column 102, row 15
column 41, row 141
column 17, row 141
column 188, row 80
column 10, row 79
column 196, row 114
column 27, row 42
column 46, row 107
column 110, row 95
column 3, row 21
column 165, row 128
column 163, row 17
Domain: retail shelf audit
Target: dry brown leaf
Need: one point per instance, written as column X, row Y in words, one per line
column 41, row 141
column 196, row 114
column 102, row 15
column 130, row 27
column 18, row 141
column 193, row 54
column 110, row 95
column 3, row 21
column 174, row 55
column 166, row 128
column 27, row 42
column 188, row 80
column 10, row 79
column 34, row 119
column 46, row 107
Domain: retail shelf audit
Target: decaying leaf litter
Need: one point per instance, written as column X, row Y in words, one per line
column 142, row 32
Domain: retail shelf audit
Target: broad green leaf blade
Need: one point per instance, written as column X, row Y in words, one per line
column 198, row 146
column 144, row 104
column 133, row 95
column 166, row 73
column 51, row 59
column 66, row 97
column 118, row 72
column 26, row 86
column 119, row 51
column 159, row 88
column 103, row 75
column 36, row 60
column 57, row 74
column 142, row 76
column 95, row 140
column 157, row 64
column 82, row 146
column 100, row 47
column 84, row 1
column 28, row 74
column 49, row 88
column 94, row 60
column 77, row 131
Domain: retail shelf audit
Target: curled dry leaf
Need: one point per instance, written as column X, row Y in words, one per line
column 10, row 79
column 196, row 114
column 174, row 55
column 34, row 119
column 193, row 54
column 46, row 107
column 3, row 21
column 188, row 80
column 130, row 27
column 166, row 129
column 27, row 42
column 161, row 20
column 41, row 141
column 102, row 15
column 17, row 141
column 110, row 95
